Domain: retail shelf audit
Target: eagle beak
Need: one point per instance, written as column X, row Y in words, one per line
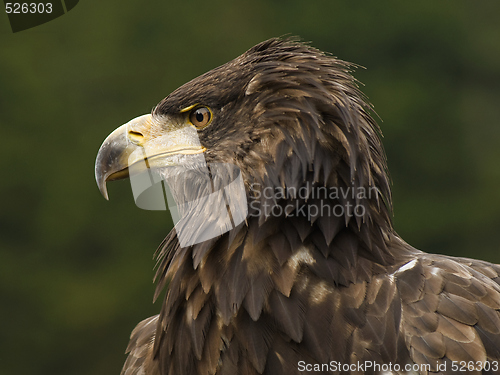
column 143, row 139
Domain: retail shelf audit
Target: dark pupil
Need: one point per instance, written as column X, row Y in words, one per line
column 199, row 116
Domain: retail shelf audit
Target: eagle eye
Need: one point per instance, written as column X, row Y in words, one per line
column 200, row 117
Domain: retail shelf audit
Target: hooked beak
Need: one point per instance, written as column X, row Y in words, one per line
column 143, row 139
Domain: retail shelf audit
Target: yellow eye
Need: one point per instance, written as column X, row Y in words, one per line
column 200, row 117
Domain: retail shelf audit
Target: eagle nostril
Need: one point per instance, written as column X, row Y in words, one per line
column 135, row 137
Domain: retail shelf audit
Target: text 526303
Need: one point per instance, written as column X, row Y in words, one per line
column 23, row 8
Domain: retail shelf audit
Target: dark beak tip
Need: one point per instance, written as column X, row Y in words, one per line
column 111, row 158
column 102, row 188
column 105, row 194
column 101, row 180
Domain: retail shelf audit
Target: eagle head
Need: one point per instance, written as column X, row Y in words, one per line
column 283, row 114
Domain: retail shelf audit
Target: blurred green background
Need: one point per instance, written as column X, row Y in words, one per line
column 76, row 271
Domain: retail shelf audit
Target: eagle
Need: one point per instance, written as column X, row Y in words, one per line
column 283, row 258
